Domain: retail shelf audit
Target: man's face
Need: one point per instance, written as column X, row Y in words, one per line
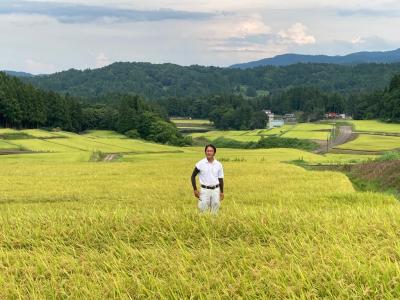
column 210, row 152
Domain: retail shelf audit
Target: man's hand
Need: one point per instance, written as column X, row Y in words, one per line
column 221, row 196
column 196, row 193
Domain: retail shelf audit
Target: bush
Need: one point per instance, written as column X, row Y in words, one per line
column 279, row 142
column 266, row 143
column 223, row 142
column 132, row 134
column 390, row 155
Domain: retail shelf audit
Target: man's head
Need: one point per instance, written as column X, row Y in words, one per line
column 210, row 151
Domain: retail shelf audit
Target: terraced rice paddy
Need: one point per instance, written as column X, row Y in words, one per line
column 376, row 126
column 369, row 142
column 129, row 229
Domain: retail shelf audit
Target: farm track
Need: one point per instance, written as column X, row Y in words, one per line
column 345, row 135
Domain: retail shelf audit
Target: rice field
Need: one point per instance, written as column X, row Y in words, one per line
column 6, row 145
column 108, row 134
column 40, row 133
column 129, row 229
column 369, row 142
column 66, row 142
column 192, row 125
column 191, row 121
column 312, row 127
column 308, row 131
column 237, row 135
column 307, row 135
column 375, row 126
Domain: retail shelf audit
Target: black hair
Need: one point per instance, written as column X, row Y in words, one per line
column 212, row 146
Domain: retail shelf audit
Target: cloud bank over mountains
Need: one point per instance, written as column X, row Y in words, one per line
column 51, row 35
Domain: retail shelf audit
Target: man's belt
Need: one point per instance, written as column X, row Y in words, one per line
column 210, row 187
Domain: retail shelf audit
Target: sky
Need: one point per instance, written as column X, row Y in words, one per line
column 47, row 36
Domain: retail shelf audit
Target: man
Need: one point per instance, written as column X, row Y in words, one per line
column 211, row 181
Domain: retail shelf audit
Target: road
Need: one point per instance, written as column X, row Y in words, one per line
column 345, row 135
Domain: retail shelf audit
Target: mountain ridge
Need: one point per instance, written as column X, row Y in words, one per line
column 391, row 56
column 17, row 73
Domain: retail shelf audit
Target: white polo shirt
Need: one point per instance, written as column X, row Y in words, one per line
column 209, row 172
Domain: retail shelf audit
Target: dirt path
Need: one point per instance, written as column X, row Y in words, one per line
column 345, row 135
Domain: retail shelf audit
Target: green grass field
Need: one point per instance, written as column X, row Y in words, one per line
column 129, row 229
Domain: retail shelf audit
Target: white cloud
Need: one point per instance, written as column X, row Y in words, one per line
column 254, row 39
column 238, row 31
column 37, row 67
column 198, row 5
column 23, row 20
column 358, row 40
column 249, row 27
column 297, row 34
column 235, row 5
column 102, row 60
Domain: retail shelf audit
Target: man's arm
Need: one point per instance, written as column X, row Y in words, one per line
column 193, row 178
column 221, row 184
column 194, row 174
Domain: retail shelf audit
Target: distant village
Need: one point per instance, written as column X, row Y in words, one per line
column 280, row 120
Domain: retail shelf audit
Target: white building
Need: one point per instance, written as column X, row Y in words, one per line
column 270, row 114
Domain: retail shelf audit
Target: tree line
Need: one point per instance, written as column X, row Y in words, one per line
column 25, row 106
column 308, row 103
column 22, row 105
column 234, row 98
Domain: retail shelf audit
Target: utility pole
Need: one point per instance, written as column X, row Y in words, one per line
column 327, row 144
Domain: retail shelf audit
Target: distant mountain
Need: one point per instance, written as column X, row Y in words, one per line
column 18, row 74
column 354, row 58
column 165, row 81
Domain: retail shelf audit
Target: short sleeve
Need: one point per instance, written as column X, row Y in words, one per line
column 197, row 165
column 221, row 172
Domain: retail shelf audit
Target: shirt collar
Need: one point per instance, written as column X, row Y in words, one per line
column 206, row 160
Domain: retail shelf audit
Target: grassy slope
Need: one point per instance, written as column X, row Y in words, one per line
column 384, row 174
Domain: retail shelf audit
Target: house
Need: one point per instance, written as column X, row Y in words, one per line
column 333, row 115
column 270, row 114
